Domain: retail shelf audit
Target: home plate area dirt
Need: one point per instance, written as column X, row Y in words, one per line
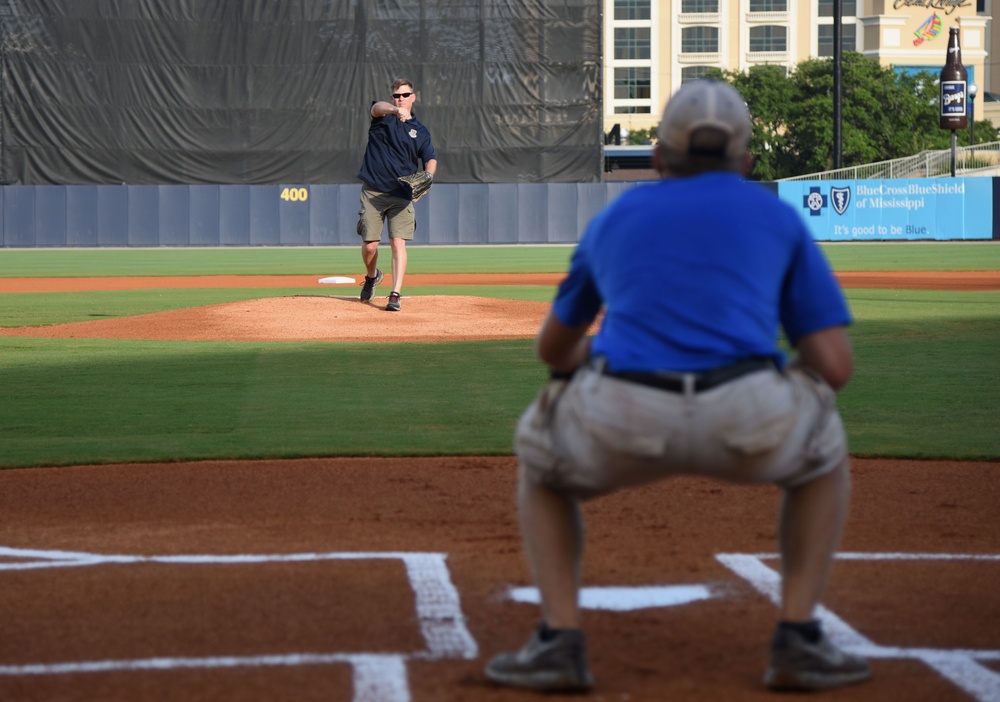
column 395, row 579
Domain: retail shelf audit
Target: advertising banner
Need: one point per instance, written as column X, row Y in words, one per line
column 894, row 210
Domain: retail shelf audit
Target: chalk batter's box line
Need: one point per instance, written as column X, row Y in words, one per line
column 376, row 677
column 961, row 667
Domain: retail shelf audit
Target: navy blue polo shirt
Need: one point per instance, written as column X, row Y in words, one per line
column 395, row 149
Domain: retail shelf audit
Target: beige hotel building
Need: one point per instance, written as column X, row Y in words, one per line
column 652, row 47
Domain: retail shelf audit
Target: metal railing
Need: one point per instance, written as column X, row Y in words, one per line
column 981, row 159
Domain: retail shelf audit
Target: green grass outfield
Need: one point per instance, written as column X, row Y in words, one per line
column 872, row 256
column 926, row 383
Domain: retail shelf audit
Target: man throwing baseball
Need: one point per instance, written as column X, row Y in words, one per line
column 685, row 377
column 391, row 183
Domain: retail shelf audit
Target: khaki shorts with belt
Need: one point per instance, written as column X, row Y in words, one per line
column 378, row 207
column 597, row 432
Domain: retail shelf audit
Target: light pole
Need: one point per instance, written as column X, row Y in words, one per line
column 838, row 53
column 972, row 122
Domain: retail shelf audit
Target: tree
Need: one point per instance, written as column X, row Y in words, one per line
column 886, row 114
column 641, row 137
column 768, row 93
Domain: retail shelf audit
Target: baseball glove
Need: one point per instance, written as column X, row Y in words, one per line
column 420, row 182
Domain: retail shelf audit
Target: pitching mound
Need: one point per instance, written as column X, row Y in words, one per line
column 319, row 318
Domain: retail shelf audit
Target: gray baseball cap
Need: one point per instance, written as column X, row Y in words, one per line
column 705, row 120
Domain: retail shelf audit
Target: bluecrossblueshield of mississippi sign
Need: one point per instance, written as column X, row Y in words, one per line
column 841, row 198
column 894, row 209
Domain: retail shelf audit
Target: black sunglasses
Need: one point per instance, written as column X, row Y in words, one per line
column 401, row 95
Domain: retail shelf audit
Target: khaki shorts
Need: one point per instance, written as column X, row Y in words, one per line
column 595, row 433
column 377, row 208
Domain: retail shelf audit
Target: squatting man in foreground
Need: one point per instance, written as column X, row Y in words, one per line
column 391, row 183
column 686, row 378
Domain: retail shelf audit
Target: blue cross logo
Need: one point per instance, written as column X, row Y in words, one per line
column 815, row 201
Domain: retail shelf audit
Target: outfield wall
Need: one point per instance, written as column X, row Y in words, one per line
column 85, row 216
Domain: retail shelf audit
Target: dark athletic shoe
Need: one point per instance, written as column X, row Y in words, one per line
column 368, row 289
column 797, row 664
column 557, row 665
column 393, row 304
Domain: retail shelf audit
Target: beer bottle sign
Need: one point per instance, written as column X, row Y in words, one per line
column 954, row 86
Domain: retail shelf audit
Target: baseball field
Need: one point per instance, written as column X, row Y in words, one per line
column 224, row 479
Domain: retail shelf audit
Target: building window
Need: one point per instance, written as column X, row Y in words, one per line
column 700, row 6
column 633, row 84
column 690, row 73
column 848, row 8
column 848, row 38
column 633, row 110
column 632, row 43
column 768, row 5
column 632, row 9
column 700, row 40
column 770, row 37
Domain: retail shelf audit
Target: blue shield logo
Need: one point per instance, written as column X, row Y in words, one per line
column 841, row 199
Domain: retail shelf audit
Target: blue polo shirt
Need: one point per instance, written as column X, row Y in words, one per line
column 395, row 149
column 696, row 273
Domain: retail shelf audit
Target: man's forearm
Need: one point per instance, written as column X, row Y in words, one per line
column 576, row 356
column 827, row 353
column 381, row 109
column 563, row 349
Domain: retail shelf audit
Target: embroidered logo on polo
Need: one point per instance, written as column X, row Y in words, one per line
column 413, row 133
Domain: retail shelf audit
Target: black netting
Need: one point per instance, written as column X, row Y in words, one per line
column 267, row 91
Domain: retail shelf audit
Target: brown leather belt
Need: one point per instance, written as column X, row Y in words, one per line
column 703, row 380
